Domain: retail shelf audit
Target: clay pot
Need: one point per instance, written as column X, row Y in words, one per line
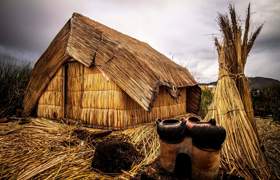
column 169, row 152
column 172, row 141
column 207, row 140
column 171, row 131
column 205, row 163
column 190, row 148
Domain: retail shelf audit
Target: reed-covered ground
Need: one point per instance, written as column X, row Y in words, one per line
column 269, row 133
column 42, row 148
column 38, row 148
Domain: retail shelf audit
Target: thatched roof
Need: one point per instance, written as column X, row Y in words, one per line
column 134, row 66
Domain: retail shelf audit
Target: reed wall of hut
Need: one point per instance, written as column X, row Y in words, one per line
column 50, row 104
column 92, row 98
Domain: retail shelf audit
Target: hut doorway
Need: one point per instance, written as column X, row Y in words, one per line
column 73, row 89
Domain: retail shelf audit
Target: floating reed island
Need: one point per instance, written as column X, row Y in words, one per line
column 93, row 75
column 97, row 76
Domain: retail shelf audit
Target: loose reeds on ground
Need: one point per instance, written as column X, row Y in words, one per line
column 44, row 149
column 269, row 133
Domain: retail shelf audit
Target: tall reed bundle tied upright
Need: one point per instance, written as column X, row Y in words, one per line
column 241, row 153
column 238, row 48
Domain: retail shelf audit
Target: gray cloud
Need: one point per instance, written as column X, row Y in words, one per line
column 181, row 29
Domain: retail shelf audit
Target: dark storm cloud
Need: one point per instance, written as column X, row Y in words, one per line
column 181, row 29
column 270, row 41
column 29, row 24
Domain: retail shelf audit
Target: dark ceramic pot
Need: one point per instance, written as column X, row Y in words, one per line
column 171, row 130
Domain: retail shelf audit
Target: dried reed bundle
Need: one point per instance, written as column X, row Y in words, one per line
column 243, row 87
column 237, row 51
column 241, row 152
column 44, row 149
column 232, row 106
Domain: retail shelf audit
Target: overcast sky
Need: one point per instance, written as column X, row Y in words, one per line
column 183, row 30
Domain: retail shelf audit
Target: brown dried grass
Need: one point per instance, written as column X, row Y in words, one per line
column 44, row 149
column 269, row 133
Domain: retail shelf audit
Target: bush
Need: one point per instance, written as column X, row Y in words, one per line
column 276, row 114
column 14, row 77
column 267, row 102
column 206, row 99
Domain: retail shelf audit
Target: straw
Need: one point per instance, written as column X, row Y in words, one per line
column 43, row 149
column 232, row 104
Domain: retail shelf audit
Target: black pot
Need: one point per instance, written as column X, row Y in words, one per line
column 207, row 137
column 171, row 130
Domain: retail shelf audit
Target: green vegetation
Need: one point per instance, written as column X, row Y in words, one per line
column 266, row 101
column 14, row 77
column 206, row 99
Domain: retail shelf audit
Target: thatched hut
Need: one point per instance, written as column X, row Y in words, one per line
column 98, row 76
